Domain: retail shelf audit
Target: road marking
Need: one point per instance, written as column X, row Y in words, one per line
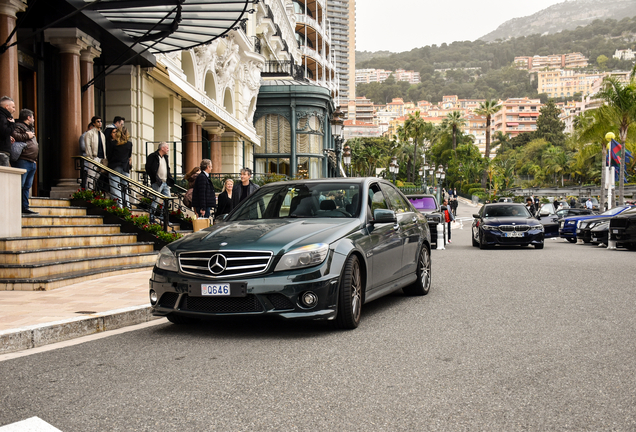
column 33, row 424
column 80, row 340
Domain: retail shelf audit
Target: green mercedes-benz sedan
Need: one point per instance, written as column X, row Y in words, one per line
column 302, row 249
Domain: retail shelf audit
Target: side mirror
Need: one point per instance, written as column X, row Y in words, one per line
column 476, row 216
column 383, row 216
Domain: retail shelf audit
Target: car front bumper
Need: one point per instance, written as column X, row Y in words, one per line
column 271, row 295
column 532, row 237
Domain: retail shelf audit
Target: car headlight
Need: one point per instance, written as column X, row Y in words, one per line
column 167, row 260
column 571, row 223
column 541, row 228
column 305, row 256
column 490, row 227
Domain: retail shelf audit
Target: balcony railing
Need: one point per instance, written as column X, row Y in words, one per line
column 283, row 68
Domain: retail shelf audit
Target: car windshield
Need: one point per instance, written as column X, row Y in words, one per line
column 423, row 203
column 506, row 211
column 300, row 200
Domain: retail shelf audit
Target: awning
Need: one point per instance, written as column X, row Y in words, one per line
column 170, row 25
column 512, row 124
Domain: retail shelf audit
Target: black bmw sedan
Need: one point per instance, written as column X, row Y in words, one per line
column 506, row 224
column 291, row 250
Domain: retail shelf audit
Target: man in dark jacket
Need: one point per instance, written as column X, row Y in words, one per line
column 7, row 126
column 203, row 194
column 245, row 188
column 158, row 170
column 24, row 132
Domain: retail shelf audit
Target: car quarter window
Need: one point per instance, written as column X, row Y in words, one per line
column 398, row 204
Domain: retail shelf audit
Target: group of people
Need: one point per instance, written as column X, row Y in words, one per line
column 111, row 147
column 22, row 134
column 201, row 195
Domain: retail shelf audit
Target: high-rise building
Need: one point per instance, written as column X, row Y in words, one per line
column 341, row 16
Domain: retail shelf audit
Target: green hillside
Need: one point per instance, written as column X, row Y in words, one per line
column 494, row 77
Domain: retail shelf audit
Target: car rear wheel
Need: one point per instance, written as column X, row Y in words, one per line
column 178, row 319
column 570, row 239
column 350, row 295
column 423, row 283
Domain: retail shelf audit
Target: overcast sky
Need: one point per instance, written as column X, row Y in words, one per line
column 401, row 25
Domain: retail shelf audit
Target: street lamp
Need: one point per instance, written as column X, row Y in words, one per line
column 440, row 175
column 431, row 170
column 394, row 168
column 608, row 175
column 423, row 173
column 337, row 124
column 347, row 158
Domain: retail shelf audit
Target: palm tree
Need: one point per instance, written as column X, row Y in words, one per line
column 487, row 109
column 416, row 128
column 454, row 121
column 620, row 105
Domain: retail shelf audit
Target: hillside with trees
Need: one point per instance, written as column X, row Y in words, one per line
column 481, row 70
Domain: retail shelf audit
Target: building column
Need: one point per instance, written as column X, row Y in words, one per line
column 9, row 59
column 215, row 129
column 70, row 42
column 192, row 151
column 86, row 75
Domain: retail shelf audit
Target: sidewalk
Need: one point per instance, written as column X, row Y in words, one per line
column 30, row 319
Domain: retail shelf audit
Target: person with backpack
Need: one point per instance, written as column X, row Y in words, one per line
column 448, row 217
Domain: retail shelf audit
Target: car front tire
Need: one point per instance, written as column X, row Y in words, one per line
column 570, row 239
column 423, row 283
column 482, row 245
column 350, row 295
column 539, row 246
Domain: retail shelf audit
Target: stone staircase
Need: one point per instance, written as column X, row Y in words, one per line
column 62, row 246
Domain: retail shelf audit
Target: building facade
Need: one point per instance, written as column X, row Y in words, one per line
column 555, row 61
column 341, row 16
column 565, row 83
column 516, row 115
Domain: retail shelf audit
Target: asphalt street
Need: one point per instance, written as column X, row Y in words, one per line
column 512, row 339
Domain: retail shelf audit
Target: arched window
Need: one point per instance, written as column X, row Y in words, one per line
column 227, row 101
column 210, row 86
column 188, row 67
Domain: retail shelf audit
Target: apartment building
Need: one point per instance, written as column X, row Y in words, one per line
column 396, row 106
column 626, row 54
column 360, row 129
column 565, row 83
column 475, row 125
column 366, row 76
column 341, row 16
column 361, row 109
column 555, row 61
column 516, row 115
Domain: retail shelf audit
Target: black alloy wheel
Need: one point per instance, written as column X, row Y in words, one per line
column 423, row 283
column 350, row 295
column 539, row 246
column 475, row 244
column 570, row 239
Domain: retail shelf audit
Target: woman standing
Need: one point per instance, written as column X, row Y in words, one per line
column 203, row 196
column 225, row 199
column 190, row 178
column 120, row 160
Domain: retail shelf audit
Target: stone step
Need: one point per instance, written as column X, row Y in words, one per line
column 62, row 267
column 40, row 231
column 75, row 252
column 37, row 220
column 47, row 284
column 48, row 202
column 30, row 243
column 59, row 211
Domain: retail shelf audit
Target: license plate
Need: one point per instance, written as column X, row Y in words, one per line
column 215, row 289
column 615, row 231
column 514, row 234
column 578, row 231
column 594, row 239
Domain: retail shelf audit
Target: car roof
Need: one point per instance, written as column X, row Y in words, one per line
column 420, row 196
column 505, row 204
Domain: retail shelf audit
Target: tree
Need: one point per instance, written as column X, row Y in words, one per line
column 487, row 109
column 416, row 128
column 602, row 61
column 549, row 125
column 454, row 122
column 620, row 106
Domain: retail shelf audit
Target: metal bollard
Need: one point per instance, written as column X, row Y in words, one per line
column 611, row 244
column 441, row 239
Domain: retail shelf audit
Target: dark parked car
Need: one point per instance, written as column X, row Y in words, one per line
column 427, row 204
column 567, row 228
column 290, row 251
column 506, row 224
column 587, row 231
column 623, row 229
column 583, row 200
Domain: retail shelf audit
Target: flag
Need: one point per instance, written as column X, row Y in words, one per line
column 614, row 157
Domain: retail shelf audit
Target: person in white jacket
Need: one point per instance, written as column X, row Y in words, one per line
column 95, row 142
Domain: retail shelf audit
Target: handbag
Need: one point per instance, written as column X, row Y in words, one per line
column 187, row 198
column 199, row 224
column 16, row 150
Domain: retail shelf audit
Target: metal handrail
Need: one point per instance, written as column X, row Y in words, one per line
column 92, row 170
